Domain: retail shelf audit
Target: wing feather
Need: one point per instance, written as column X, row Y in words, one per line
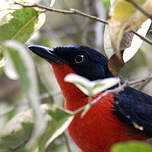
column 134, row 108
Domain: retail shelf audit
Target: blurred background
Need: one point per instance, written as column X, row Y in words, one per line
column 61, row 30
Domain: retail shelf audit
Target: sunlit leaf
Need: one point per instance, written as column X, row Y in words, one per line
column 19, row 129
column 129, row 46
column 52, row 3
column 119, row 13
column 20, row 67
column 136, row 42
column 107, row 43
column 123, row 21
column 25, row 68
column 104, row 84
column 17, row 132
column 60, row 121
column 82, row 83
column 18, row 138
column 2, row 62
column 91, row 87
column 120, row 24
column 9, row 68
column 20, row 24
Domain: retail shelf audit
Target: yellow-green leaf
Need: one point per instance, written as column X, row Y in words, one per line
column 133, row 146
column 124, row 17
column 123, row 10
column 20, row 25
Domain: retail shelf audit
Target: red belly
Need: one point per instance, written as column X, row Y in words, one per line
column 99, row 129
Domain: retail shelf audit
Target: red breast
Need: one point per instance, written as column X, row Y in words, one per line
column 99, row 129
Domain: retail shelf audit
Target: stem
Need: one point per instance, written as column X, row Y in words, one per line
column 65, row 12
column 143, row 38
column 80, row 13
column 114, row 91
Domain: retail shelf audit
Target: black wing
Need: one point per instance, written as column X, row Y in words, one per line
column 134, row 108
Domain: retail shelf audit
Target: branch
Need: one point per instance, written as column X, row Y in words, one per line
column 80, row 13
column 144, row 85
column 137, row 82
column 114, row 91
column 140, row 8
column 143, row 38
column 65, row 12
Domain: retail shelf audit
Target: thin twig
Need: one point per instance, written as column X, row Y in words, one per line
column 143, row 38
column 140, row 8
column 137, row 82
column 67, row 142
column 80, row 13
column 144, row 84
column 65, row 12
column 114, row 91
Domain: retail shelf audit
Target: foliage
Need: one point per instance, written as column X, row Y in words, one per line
column 20, row 22
column 35, row 125
column 133, row 146
column 91, row 88
column 19, row 129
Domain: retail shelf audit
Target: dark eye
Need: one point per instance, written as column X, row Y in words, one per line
column 80, row 58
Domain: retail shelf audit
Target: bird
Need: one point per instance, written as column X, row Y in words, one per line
column 116, row 118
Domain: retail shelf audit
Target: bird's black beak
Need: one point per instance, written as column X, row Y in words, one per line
column 46, row 53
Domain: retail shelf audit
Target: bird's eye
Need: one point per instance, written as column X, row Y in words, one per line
column 80, row 58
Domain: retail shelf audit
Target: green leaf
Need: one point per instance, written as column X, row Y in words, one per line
column 82, row 83
column 25, row 68
column 2, row 62
column 91, row 88
column 120, row 14
column 17, row 138
column 20, row 24
column 60, row 121
column 106, row 3
column 20, row 128
column 133, row 146
column 17, row 131
column 20, row 68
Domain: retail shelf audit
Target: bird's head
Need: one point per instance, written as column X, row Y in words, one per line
column 81, row 60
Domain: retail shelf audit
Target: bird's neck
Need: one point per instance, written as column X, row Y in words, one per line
column 74, row 97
